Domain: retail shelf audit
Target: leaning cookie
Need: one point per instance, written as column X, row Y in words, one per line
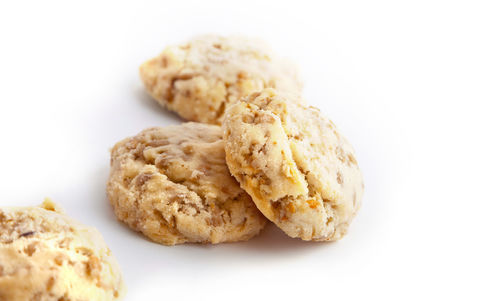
column 199, row 79
column 299, row 170
column 45, row 255
column 172, row 184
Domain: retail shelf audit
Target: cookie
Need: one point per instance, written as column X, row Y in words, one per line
column 300, row 171
column 173, row 185
column 45, row 255
column 199, row 79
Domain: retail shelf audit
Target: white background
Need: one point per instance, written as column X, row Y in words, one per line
column 414, row 85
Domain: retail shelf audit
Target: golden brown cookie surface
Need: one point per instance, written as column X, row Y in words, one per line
column 199, row 79
column 172, row 184
column 45, row 255
column 300, row 171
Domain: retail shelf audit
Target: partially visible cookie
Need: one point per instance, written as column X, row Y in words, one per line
column 172, row 184
column 300, row 171
column 200, row 78
column 45, row 255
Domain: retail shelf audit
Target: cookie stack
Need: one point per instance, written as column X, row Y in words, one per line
column 253, row 152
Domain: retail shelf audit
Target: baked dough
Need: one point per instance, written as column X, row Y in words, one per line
column 200, row 78
column 172, row 184
column 45, row 255
column 300, row 171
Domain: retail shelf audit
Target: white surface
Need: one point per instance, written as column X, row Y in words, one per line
column 413, row 85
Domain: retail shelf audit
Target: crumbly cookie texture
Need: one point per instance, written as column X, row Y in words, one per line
column 45, row 255
column 173, row 185
column 199, row 79
column 300, row 171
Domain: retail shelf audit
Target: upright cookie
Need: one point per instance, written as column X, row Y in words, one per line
column 300, row 172
column 199, row 79
column 45, row 255
column 172, row 184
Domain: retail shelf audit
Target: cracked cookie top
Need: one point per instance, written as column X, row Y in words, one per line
column 45, row 255
column 173, row 185
column 300, row 171
column 201, row 77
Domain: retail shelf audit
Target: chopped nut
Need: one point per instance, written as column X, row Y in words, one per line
column 352, row 160
column 142, row 178
column 93, row 266
column 340, row 178
column 30, row 249
column 50, row 283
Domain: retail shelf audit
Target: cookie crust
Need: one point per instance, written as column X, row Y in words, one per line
column 300, row 171
column 45, row 255
column 173, row 185
column 200, row 78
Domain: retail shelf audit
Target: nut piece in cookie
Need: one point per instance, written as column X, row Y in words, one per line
column 300, row 171
column 45, row 255
column 200, row 78
column 173, row 185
